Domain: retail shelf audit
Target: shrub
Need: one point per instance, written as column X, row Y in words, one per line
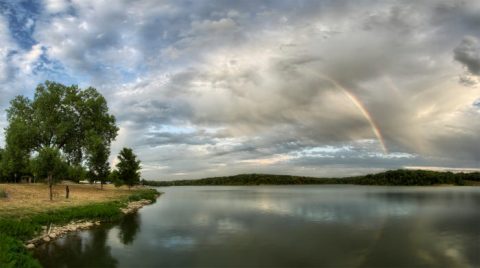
column 13, row 254
column 3, row 193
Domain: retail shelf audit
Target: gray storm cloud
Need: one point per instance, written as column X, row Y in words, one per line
column 468, row 53
column 300, row 87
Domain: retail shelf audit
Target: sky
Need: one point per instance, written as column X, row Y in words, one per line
column 211, row 88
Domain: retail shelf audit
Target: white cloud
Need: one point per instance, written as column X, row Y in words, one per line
column 26, row 62
column 56, row 6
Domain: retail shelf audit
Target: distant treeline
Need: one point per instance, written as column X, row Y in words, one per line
column 392, row 177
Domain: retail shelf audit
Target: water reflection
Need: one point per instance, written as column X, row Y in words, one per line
column 78, row 250
column 334, row 226
column 88, row 248
column 128, row 228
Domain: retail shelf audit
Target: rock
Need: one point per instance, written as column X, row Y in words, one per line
column 46, row 239
column 97, row 223
column 53, row 235
column 30, row 246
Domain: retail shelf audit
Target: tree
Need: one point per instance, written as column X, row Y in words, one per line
column 98, row 160
column 2, row 153
column 114, row 178
column 15, row 162
column 63, row 118
column 128, row 167
column 49, row 164
column 76, row 173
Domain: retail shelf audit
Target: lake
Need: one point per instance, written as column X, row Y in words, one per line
column 285, row 226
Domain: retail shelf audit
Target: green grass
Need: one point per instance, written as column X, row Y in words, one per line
column 13, row 254
column 14, row 231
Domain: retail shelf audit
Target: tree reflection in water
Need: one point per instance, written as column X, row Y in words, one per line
column 88, row 248
column 128, row 228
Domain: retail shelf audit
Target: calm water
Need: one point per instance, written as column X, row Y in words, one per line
column 286, row 226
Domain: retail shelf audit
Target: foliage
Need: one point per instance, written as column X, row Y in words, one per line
column 128, row 167
column 3, row 193
column 13, row 254
column 393, row 177
column 76, row 173
column 148, row 194
column 97, row 161
column 14, row 163
column 115, row 179
column 49, row 162
column 2, row 176
column 242, row 179
column 66, row 118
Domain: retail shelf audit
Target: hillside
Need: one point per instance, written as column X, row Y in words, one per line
column 392, row 177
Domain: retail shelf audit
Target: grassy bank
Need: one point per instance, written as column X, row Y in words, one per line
column 27, row 221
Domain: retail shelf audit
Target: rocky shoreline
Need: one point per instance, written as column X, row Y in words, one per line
column 52, row 232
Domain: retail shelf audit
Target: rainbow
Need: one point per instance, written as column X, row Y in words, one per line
column 356, row 101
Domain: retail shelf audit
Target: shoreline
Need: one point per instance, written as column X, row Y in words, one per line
column 34, row 225
column 52, row 232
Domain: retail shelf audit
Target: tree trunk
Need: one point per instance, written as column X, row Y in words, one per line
column 50, row 184
column 67, row 192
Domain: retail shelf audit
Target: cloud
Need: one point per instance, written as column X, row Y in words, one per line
column 56, row 6
column 468, row 80
column 209, row 26
column 220, row 87
column 6, row 49
column 468, row 53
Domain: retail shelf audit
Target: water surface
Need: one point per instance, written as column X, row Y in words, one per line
column 285, row 226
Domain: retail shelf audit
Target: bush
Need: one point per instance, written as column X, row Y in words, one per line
column 149, row 194
column 3, row 193
column 14, row 254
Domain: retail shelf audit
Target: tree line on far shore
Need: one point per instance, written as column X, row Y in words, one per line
column 392, row 177
column 63, row 133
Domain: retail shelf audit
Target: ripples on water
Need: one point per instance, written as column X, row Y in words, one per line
column 286, row 226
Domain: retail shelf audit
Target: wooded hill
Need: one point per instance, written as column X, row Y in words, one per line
column 392, row 177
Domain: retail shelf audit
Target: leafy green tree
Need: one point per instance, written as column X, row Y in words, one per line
column 128, row 167
column 2, row 153
column 49, row 164
column 114, row 178
column 14, row 164
column 64, row 118
column 97, row 160
column 76, row 173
